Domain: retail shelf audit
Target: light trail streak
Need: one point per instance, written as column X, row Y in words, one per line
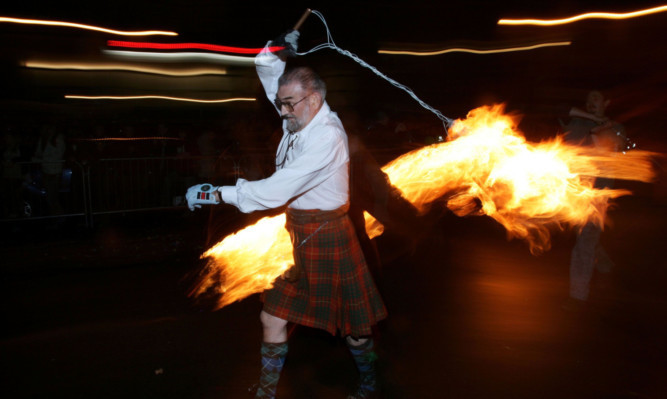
column 186, row 46
column 182, row 57
column 149, row 97
column 473, row 51
column 129, row 138
column 590, row 15
column 87, row 27
column 122, row 67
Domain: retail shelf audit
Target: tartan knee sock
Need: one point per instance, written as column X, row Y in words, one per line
column 365, row 357
column 273, row 358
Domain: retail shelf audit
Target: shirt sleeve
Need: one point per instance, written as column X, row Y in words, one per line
column 269, row 68
column 320, row 159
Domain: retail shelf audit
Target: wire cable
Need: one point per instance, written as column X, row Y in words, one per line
column 330, row 44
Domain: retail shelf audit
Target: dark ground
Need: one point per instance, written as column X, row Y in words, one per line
column 105, row 314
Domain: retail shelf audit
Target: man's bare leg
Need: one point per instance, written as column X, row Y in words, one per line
column 274, row 351
column 275, row 328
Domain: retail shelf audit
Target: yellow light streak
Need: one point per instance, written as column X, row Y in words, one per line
column 194, row 100
column 122, row 67
column 599, row 15
column 88, row 27
column 473, row 51
column 130, row 138
column 182, row 57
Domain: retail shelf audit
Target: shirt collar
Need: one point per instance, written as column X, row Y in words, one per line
column 324, row 110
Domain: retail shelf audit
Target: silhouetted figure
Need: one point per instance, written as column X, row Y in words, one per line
column 50, row 152
column 591, row 128
column 11, row 175
column 371, row 191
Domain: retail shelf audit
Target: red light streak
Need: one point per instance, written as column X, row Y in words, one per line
column 192, row 46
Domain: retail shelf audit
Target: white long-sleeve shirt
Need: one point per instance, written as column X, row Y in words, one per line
column 314, row 174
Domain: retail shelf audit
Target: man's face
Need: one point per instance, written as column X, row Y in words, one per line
column 302, row 102
column 596, row 103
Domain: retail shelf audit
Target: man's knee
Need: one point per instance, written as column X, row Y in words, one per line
column 271, row 322
column 275, row 328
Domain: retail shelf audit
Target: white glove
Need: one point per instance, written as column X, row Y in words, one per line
column 292, row 39
column 200, row 194
column 288, row 40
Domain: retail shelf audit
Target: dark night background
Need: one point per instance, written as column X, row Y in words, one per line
column 95, row 302
column 624, row 58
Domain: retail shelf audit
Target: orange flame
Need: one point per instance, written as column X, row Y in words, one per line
column 247, row 261
column 486, row 167
column 526, row 187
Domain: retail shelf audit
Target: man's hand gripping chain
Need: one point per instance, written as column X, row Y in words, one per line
column 201, row 194
column 289, row 41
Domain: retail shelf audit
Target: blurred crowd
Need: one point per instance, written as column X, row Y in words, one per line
column 49, row 169
column 57, row 167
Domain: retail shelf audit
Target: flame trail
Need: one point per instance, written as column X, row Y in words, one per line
column 530, row 188
column 247, row 261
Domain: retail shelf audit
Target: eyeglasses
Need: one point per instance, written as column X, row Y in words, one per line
column 289, row 105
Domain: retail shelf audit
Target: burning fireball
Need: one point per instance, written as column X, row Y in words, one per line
column 529, row 188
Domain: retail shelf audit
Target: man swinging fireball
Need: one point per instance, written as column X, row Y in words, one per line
column 329, row 287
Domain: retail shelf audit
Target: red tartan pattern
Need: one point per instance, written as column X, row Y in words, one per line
column 336, row 292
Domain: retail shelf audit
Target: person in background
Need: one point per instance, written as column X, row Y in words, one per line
column 50, row 152
column 11, row 175
column 591, row 127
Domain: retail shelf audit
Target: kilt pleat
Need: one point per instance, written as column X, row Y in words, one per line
column 336, row 292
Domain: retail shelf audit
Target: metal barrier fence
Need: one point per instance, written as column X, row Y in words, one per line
column 121, row 185
column 118, row 185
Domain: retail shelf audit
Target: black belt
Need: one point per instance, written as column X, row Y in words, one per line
column 305, row 216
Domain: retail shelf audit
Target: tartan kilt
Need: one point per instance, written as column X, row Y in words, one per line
column 336, row 292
